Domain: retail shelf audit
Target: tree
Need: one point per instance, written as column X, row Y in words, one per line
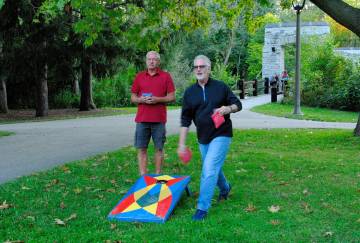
column 347, row 16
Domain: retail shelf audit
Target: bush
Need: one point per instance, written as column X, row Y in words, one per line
column 114, row 91
column 66, row 99
column 329, row 80
column 220, row 72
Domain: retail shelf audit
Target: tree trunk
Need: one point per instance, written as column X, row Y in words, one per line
column 342, row 13
column 42, row 103
column 3, row 97
column 76, row 88
column 231, row 43
column 357, row 128
column 86, row 100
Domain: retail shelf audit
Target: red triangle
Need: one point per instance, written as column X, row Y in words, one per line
column 173, row 181
column 163, row 207
column 124, row 204
column 149, row 180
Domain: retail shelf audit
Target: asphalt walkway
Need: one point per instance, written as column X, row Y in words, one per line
column 38, row 146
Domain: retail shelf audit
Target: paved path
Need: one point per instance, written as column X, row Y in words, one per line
column 39, row 146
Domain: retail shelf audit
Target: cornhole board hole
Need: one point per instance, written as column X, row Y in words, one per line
column 151, row 199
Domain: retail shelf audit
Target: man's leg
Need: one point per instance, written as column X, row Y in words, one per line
column 213, row 155
column 142, row 159
column 142, row 138
column 159, row 160
column 158, row 133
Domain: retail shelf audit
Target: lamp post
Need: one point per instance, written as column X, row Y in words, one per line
column 298, row 6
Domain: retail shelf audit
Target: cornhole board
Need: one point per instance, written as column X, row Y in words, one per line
column 151, row 199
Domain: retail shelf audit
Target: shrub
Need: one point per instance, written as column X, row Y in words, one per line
column 114, row 91
column 66, row 99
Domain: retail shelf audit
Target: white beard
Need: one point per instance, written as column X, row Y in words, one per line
column 200, row 76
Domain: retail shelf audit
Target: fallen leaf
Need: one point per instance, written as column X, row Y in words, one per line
column 275, row 222
column 62, row 205
column 328, row 234
column 65, row 169
column 113, row 181
column 128, row 181
column 4, row 205
column 25, row 188
column 52, row 182
column 14, row 241
column 72, row 216
column 31, row 217
column 283, row 183
column 110, row 190
column 305, row 192
column 274, row 208
column 263, row 167
column 59, row 222
column 77, row 190
column 113, row 226
column 306, row 207
column 250, row 208
column 93, row 178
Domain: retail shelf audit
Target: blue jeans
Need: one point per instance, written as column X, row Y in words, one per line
column 213, row 157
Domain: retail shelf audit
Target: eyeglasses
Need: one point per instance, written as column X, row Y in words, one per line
column 200, row 66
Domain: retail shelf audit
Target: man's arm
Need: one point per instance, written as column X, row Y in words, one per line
column 182, row 139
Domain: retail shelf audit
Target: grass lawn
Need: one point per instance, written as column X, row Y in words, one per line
column 309, row 178
column 310, row 113
column 16, row 116
column 4, row 133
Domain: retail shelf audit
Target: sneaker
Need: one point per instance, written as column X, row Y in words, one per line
column 224, row 195
column 199, row 215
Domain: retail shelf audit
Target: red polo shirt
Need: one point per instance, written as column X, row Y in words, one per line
column 159, row 85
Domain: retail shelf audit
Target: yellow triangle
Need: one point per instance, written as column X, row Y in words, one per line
column 164, row 193
column 164, row 177
column 132, row 207
column 138, row 194
column 151, row 208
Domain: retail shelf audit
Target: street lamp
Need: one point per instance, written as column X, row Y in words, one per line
column 298, row 6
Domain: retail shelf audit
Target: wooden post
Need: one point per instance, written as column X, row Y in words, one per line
column 255, row 84
column 241, row 85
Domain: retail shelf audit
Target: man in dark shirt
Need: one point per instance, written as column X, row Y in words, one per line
column 201, row 100
column 152, row 89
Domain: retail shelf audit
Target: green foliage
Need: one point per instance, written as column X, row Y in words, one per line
column 114, row 91
column 329, row 80
column 66, row 99
column 221, row 72
column 178, row 66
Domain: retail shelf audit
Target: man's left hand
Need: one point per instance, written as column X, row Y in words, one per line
column 224, row 110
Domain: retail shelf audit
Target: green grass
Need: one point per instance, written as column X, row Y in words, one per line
column 73, row 114
column 313, row 175
column 310, row 113
column 4, row 133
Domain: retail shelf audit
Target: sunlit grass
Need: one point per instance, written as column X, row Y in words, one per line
column 312, row 175
column 310, row 113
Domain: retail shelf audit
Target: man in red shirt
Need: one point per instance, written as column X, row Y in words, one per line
column 151, row 90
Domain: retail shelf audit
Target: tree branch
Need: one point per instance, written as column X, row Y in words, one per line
column 342, row 13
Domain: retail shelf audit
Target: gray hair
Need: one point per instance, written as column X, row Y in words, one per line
column 204, row 58
column 153, row 52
